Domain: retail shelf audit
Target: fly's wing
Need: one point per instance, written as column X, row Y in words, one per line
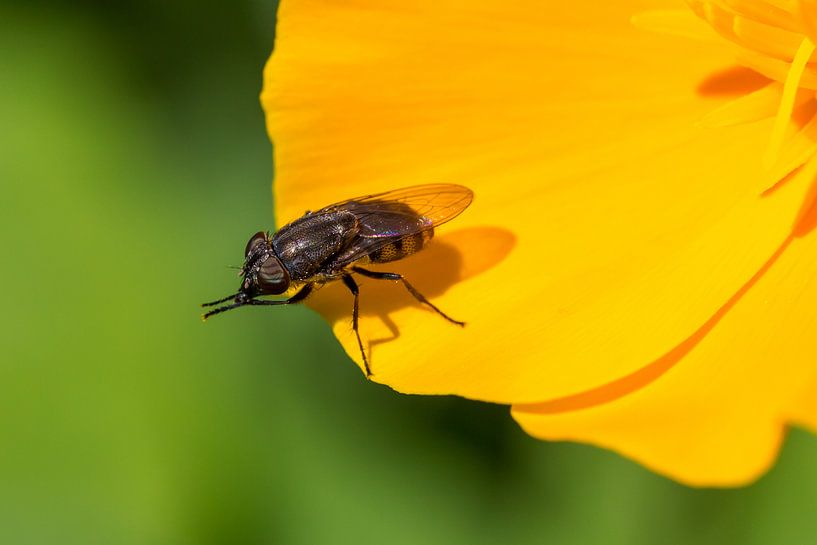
column 389, row 216
column 422, row 206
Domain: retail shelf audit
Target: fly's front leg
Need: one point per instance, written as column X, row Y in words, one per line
column 411, row 289
column 297, row 298
column 352, row 285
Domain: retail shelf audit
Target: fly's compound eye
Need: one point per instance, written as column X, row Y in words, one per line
column 256, row 239
column 272, row 277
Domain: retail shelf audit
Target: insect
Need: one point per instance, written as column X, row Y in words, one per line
column 337, row 241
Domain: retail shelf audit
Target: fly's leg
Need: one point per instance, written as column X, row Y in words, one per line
column 411, row 289
column 352, row 285
column 297, row 298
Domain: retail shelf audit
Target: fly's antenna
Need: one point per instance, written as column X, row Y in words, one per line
column 240, row 269
column 222, row 300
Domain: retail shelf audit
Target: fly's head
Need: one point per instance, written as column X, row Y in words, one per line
column 262, row 274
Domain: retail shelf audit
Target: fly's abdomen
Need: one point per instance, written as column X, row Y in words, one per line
column 402, row 247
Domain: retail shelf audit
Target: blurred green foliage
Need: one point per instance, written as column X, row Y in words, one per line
column 134, row 166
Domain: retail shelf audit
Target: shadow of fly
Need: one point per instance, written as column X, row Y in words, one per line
column 338, row 241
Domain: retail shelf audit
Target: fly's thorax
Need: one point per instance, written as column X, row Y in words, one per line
column 306, row 244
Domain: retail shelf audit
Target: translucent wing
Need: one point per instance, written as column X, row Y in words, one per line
column 386, row 217
column 408, row 210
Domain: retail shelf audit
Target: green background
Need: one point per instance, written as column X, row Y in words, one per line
column 134, row 167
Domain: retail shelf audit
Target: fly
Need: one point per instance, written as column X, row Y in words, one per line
column 337, row 242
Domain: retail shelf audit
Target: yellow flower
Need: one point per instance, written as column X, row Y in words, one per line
column 639, row 267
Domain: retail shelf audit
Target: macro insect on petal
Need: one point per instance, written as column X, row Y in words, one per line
column 337, row 241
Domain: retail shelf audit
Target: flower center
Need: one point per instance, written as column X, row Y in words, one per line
column 768, row 33
column 771, row 39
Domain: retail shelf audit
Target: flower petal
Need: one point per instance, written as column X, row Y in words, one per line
column 712, row 413
column 804, row 412
column 754, row 106
column 678, row 22
column 607, row 225
column 808, row 17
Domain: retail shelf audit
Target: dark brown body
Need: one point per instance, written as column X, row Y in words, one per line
column 320, row 247
column 336, row 241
